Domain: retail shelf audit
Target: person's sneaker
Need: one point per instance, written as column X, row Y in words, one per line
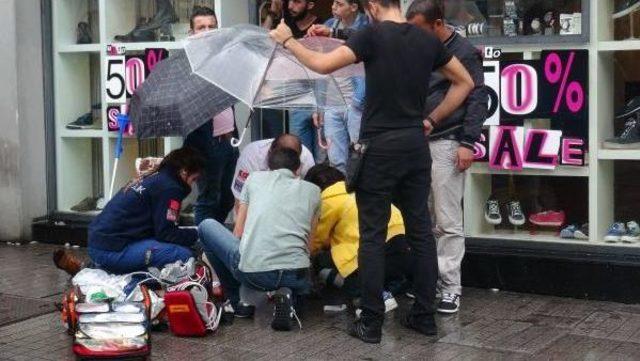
column 283, row 312
column 615, row 233
column 582, row 232
column 244, row 310
column 516, row 217
column 426, row 325
column 368, row 334
column 390, row 302
column 450, row 303
column 67, row 261
column 569, row 231
column 633, row 233
column 548, row 219
column 629, row 139
column 492, row 212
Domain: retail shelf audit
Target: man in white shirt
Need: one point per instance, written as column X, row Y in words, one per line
column 254, row 158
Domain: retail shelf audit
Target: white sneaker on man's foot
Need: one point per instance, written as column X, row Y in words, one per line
column 450, row 303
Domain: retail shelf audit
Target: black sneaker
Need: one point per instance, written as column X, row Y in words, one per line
column 368, row 334
column 450, row 303
column 244, row 310
column 426, row 324
column 492, row 212
column 516, row 217
column 283, row 312
column 629, row 139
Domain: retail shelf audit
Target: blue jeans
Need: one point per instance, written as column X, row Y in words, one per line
column 215, row 199
column 341, row 129
column 301, row 125
column 139, row 256
column 223, row 251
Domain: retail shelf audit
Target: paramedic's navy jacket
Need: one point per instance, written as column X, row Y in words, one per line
column 149, row 209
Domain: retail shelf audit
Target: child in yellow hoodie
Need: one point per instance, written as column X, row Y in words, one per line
column 334, row 246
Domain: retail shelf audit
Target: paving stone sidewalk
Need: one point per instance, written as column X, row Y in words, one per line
column 490, row 326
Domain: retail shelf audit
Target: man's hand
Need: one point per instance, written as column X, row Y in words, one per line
column 281, row 33
column 428, row 127
column 319, row 30
column 318, row 120
column 464, row 159
column 276, row 6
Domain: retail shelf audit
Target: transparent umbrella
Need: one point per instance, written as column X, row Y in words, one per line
column 247, row 64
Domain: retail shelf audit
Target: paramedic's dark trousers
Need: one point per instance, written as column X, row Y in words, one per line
column 396, row 169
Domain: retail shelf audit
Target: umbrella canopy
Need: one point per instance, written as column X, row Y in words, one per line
column 173, row 101
column 246, row 63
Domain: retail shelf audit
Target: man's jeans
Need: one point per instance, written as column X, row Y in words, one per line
column 396, row 168
column 301, row 125
column 447, row 189
column 139, row 256
column 341, row 129
column 223, row 251
column 215, row 199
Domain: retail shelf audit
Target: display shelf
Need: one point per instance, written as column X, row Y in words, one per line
column 67, row 14
column 78, row 170
column 619, row 45
column 543, row 236
column 562, row 171
column 79, row 48
column 619, row 154
column 170, row 45
column 81, row 133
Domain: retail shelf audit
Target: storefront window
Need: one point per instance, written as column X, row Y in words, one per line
column 515, row 18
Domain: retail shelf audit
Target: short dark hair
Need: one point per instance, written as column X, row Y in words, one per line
column 201, row 11
column 384, row 3
column 283, row 158
column 432, row 10
column 324, row 176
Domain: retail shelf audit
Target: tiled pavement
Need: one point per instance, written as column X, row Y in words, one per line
column 491, row 326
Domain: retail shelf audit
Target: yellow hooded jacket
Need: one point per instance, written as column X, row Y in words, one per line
column 338, row 228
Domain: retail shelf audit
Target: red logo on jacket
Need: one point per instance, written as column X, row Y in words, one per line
column 173, row 212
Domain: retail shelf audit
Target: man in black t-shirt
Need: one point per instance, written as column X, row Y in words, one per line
column 398, row 59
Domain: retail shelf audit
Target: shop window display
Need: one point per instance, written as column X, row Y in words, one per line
column 515, row 18
column 150, row 20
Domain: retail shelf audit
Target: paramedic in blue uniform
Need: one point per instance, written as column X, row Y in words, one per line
column 138, row 228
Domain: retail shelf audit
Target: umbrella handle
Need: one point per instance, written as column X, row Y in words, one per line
column 236, row 142
column 322, row 143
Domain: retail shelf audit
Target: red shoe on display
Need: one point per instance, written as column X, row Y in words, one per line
column 548, row 219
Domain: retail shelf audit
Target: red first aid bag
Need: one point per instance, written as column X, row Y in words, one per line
column 184, row 319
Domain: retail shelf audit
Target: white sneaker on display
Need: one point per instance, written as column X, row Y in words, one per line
column 633, row 233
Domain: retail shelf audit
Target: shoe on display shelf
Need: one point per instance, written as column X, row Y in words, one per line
column 83, row 33
column 632, row 235
column 548, row 218
column 516, row 217
column 449, row 304
column 85, row 121
column 632, row 107
column 629, row 139
column 582, row 232
column 492, row 212
column 160, row 23
column 615, row 233
column 625, row 8
column 569, row 232
column 86, row 205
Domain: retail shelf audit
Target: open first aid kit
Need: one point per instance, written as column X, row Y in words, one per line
column 108, row 329
column 110, row 316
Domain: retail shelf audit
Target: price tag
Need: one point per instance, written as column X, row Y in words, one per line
column 115, row 85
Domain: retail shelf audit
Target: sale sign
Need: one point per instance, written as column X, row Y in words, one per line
column 126, row 73
column 514, row 148
column 554, row 87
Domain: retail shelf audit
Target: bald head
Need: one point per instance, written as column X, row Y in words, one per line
column 287, row 141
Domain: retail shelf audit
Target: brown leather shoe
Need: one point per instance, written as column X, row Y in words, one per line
column 67, row 261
